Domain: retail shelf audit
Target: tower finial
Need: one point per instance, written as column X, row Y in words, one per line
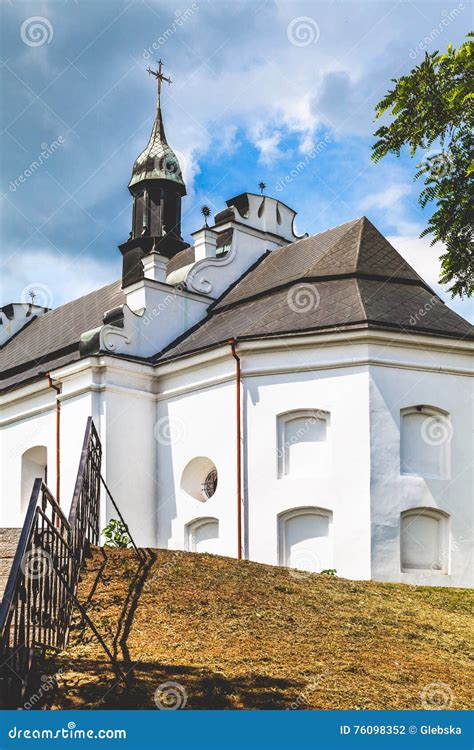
column 159, row 77
column 262, row 187
column 206, row 212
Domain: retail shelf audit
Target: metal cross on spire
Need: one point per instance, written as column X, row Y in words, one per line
column 159, row 77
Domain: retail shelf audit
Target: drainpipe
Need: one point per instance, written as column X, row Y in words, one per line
column 233, row 345
column 58, row 436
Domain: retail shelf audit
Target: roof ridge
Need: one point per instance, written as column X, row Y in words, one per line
column 352, row 223
column 242, row 276
column 362, row 221
column 403, row 263
column 318, row 234
column 278, row 252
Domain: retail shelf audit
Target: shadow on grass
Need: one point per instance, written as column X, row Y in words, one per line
column 86, row 685
column 95, row 683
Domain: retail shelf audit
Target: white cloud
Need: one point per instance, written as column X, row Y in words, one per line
column 227, row 142
column 386, row 198
column 425, row 260
column 232, row 67
column 393, row 200
column 58, row 278
column 267, row 143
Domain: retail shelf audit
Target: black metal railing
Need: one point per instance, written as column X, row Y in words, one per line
column 34, row 609
column 84, row 515
column 40, row 595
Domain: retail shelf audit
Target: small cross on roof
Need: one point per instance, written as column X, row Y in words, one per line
column 159, row 77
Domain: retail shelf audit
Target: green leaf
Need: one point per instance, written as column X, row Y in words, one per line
column 432, row 105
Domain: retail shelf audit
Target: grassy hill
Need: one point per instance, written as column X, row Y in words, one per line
column 243, row 635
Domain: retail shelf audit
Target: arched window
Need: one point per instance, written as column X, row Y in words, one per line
column 305, row 539
column 34, row 464
column 202, row 535
column 424, row 540
column 199, row 478
column 425, row 442
column 301, row 437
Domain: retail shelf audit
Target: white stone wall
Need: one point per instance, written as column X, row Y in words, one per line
column 201, row 424
column 363, row 387
column 344, row 395
column 391, row 390
column 205, row 423
column 154, row 421
column 26, row 423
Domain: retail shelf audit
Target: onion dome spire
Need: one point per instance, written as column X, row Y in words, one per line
column 157, row 160
column 157, row 188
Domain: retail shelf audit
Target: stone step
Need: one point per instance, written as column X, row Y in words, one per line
column 8, row 544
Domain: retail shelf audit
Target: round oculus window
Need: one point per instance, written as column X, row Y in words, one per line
column 209, row 485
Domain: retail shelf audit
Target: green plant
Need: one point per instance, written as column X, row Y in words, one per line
column 330, row 571
column 433, row 104
column 115, row 534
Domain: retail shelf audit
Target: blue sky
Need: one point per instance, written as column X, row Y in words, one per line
column 256, row 87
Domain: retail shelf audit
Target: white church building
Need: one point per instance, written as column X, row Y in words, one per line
column 294, row 400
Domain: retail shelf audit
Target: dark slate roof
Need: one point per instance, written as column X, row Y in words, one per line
column 344, row 278
column 356, row 247
column 52, row 339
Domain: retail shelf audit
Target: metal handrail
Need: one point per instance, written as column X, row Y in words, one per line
column 40, row 594
column 34, row 608
column 90, row 429
column 5, row 605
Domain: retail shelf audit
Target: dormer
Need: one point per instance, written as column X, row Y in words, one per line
column 263, row 214
column 15, row 316
column 249, row 227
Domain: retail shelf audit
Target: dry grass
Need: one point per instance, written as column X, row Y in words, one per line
column 244, row 635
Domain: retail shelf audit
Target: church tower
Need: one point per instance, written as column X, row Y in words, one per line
column 157, row 187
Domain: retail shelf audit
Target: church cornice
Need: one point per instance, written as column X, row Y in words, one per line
column 144, row 371
column 325, row 338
